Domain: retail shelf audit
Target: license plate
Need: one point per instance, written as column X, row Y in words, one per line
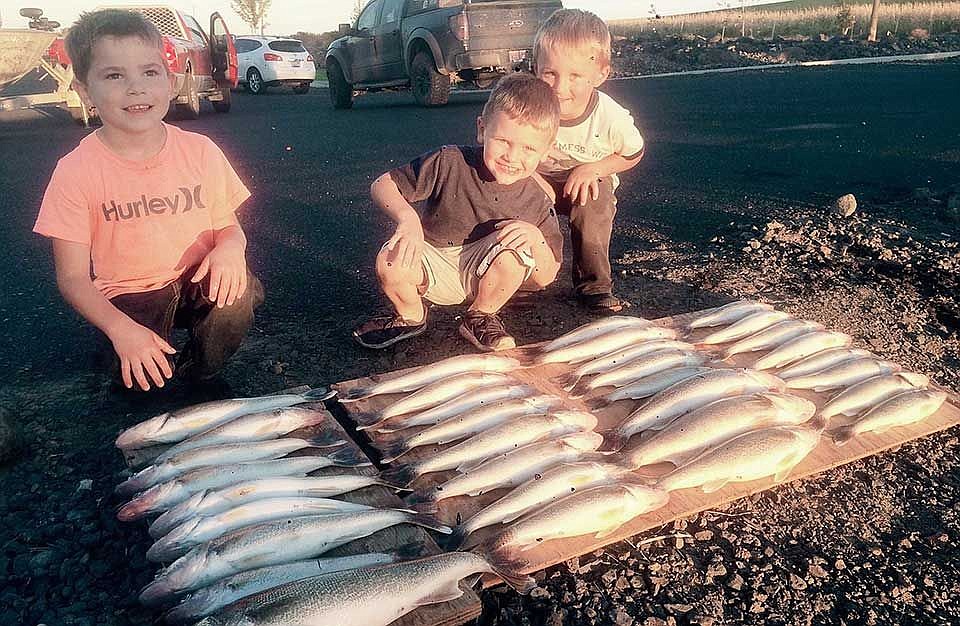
column 295, row 63
column 517, row 55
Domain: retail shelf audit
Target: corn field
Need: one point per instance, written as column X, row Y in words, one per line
column 896, row 18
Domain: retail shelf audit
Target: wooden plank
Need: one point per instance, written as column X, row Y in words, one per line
column 683, row 503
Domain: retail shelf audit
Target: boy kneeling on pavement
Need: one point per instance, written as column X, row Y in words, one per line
column 486, row 228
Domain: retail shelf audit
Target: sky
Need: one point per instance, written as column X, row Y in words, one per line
column 290, row 16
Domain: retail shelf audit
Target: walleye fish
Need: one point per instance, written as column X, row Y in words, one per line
column 374, row 596
column 211, row 599
column 843, row 374
column 772, row 336
column 802, row 347
column 618, row 339
column 595, row 329
column 511, row 468
column 750, row 456
column 904, row 408
column 259, row 427
column 480, row 397
column 441, row 391
column 273, row 543
column 212, row 455
column 211, row 502
column 423, row 376
column 643, row 366
column 866, row 394
column 729, row 313
column 649, row 385
column 598, row 511
column 167, row 495
column 821, row 361
column 753, row 323
column 554, row 483
column 472, row 423
column 614, row 360
column 497, row 440
column 198, row 530
column 715, row 423
column 687, row 395
column 175, row 426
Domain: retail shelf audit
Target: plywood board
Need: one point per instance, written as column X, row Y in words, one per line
column 413, row 541
column 683, row 503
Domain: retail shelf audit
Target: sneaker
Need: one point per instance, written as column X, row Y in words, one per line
column 381, row 332
column 603, row 302
column 486, row 332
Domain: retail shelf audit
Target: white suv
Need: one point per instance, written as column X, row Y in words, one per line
column 270, row 61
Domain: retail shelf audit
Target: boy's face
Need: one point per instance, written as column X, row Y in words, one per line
column 512, row 150
column 129, row 84
column 573, row 74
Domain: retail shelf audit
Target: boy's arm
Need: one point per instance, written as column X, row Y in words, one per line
column 407, row 240
column 226, row 264
column 582, row 183
column 142, row 352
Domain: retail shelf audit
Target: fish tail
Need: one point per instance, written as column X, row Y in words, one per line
column 423, row 501
column 349, row 457
column 429, row 521
column 819, row 422
column 567, row 381
column 410, row 550
column 352, row 395
column 458, row 538
column 399, row 477
column 599, row 403
column 393, row 451
column 326, row 439
column 578, row 390
column 319, row 394
column 843, row 435
column 510, row 570
column 613, row 441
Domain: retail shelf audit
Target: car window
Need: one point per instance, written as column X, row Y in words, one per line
column 391, row 11
column 368, row 18
column 196, row 32
column 286, row 45
column 246, row 45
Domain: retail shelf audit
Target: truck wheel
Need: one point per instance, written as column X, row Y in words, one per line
column 191, row 109
column 255, row 82
column 222, row 106
column 341, row 92
column 430, row 87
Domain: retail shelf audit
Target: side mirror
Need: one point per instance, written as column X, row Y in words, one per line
column 31, row 14
column 344, row 29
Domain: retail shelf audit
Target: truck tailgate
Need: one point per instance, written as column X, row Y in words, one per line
column 500, row 24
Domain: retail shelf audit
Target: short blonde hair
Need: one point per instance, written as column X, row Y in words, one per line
column 526, row 99
column 568, row 29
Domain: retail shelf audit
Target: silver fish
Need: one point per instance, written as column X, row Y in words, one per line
column 843, row 374
column 166, row 495
column 259, row 427
column 802, row 347
column 441, row 391
column 480, row 397
column 554, row 483
column 177, row 425
column 211, row 599
column 471, row 423
column 772, row 336
column 821, row 361
column 613, row 360
column 422, row 376
column 374, row 596
column 499, row 439
column 595, row 329
column 753, row 323
column 198, row 530
column 750, row 456
column 617, row 339
column 273, row 543
column 650, row 385
column 687, row 395
column 715, row 423
column 866, row 394
column 904, row 408
column 509, row 469
column 728, row 313
column 644, row 366
column 205, row 503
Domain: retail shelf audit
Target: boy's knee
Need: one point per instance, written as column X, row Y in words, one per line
column 390, row 272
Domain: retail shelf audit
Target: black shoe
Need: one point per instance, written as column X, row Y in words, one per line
column 602, row 302
column 486, row 332
column 381, row 332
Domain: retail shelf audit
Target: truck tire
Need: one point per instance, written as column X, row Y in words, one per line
column 341, row 92
column 222, row 106
column 430, row 87
column 191, row 109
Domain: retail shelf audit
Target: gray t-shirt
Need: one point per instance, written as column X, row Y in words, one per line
column 461, row 202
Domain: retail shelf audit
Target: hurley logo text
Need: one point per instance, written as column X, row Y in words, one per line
column 144, row 207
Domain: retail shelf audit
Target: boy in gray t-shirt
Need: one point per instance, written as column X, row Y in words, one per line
column 486, row 225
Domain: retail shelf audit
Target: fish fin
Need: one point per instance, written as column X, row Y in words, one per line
column 449, row 591
column 843, row 435
column 613, row 441
column 430, row 522
column 319, row 394
column 384, row 427
column 374, row 423
column 579, row 390
column 458, row 538
column 349, row 457
column 326, row 439
column 394, row 450
column 599, row 403
column 714, row 485
column 510, row 572
column 352, row 395
column 399, row 476
column 818, row 422
column 423, row 501
column 566, row 381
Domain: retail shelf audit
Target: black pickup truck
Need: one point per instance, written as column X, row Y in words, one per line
column 427, row 44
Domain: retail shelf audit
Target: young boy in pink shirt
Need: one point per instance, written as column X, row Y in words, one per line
column 150, row 209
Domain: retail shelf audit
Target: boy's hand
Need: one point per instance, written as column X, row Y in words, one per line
column 582, row 183
column 407, row 243
column 518, row 235
column 228, row 272
column 142, row 354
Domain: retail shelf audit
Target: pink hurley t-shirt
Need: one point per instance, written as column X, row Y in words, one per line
column 145, row 221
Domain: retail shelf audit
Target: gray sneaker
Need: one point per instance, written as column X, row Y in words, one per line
column 486, row 332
